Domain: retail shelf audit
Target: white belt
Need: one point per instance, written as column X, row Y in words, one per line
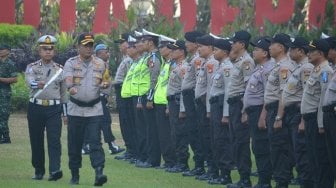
column 44, row 102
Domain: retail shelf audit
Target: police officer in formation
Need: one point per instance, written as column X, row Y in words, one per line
column 8, row 76
column 47, row 97
column 124, row 103
column 85, row 76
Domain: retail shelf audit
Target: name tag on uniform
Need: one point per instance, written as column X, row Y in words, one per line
column 324, row 76
column 226, row 72
column 306, row 74
column 217, row 76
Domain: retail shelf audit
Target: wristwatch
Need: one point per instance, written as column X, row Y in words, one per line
column 278, row 118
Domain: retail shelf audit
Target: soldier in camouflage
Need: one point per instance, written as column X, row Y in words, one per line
column 8, row 76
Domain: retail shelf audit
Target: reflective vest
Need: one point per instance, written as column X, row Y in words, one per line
column 127, row 84
column 140, row 78
column 160, row 95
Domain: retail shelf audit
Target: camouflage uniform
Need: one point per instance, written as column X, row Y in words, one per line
column 7, row 70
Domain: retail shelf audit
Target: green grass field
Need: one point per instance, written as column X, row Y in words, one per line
column 16, row 169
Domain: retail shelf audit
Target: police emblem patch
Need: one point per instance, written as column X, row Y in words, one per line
column 210, row 67
column 284, row 73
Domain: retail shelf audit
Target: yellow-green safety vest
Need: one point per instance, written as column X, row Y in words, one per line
column 127, row 84
column 160, row 95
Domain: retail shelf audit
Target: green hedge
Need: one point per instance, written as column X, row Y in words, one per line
column 14, row 35
column 20, row 94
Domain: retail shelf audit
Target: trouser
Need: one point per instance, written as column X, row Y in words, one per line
column 220, row 137
column 279, row 142
column 164, row 132
column 291, row 120
column 193, row 128
column 153, row 144
column 76, row 127
column 126, row 121
column 260, row 145
column 178, row 130
column 241, row 134
column 4, row 113
column 329, row 119
column 317, row 153
column 47, row 118
column 141, row 128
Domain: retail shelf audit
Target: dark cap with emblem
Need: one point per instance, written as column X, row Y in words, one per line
column 320, row 44
column 85, row 38
column 191, row 36
column 242, row 36
column 5, row 47
column 179, row 44
column 122, row 38
column 47, row 40
column 282, row 38
column 223, row 44
column 206, row 40
column 262, row 42
column 299, row 42
column 331, row 41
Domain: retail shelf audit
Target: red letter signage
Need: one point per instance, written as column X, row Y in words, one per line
column 31, row 12
column 7, row 11
column 266, row 10
column 221, row 14
column 68, row 15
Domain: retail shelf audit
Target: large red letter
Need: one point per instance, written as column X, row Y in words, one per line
column 221, row 14
column 188, row 14
column 316, row 12
column 266, row 10
column 166, row 9
column 67, row 15
column 31, row 12
column 102, row 22
column 7, row 11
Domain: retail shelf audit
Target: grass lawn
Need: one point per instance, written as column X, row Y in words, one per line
column 16, row 169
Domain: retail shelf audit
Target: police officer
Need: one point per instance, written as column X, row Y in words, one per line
column 218, row 109
column 124, row 105
column 242, row 69
column 48, row 93
column 161, row 104
column 278, row 134
column 291, row 97
column 188, row 86
column 8, row 76
column 84, row 76
column 253, row 107
column 126, row 97
column 311, row 109
column 176, row 107
column 329, row 107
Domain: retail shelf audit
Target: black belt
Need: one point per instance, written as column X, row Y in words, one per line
column 309, row 116
column 253, row 108
column 235, row 99
column 85, row 104
column 329, row 108
column 272, row 105
column 175, row 97
column 293, row 108
column 200, row 100
column 118, row 86
column 188, row 92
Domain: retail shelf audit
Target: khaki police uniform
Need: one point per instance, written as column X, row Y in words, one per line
column 44, row 113
column 311, row 109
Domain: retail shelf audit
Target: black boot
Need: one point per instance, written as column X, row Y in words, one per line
column 100, row 177
column 74, row 177
column 5, row 138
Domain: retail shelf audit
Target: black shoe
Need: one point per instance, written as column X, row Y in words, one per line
column 132, row 160
column 220, row 180
column 205, row 177
column 255, row 174
column 194, row 172
column 240, row 184
column 100, row 177
column 263, row 185
column 125, row 156
column 54, row 176
column 5, row 141
column 141, row 164
column 74, row 177
column 114, row 149
column 178, row 168
column 37, row 177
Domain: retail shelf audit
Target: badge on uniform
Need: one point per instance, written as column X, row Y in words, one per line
column 290, row 86
column 246, row 65
column 227, row 72
column 306, row 74
column 76, row 80
column 324, row 76
column 252, row 86
column 210, row 67
column 284, row 73
column 150, row 63
column 183, row 72
column 198, row 63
